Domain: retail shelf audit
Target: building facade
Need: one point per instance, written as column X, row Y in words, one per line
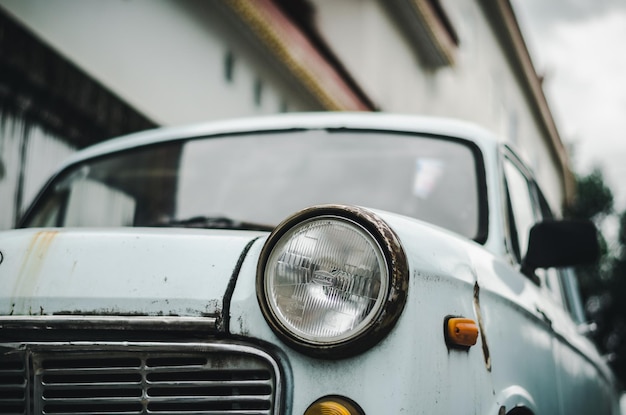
column 73, row 73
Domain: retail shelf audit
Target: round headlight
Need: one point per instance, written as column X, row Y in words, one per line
column 332, row 280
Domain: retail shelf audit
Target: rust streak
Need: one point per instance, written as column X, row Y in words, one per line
column 32, row 263
column 483, row 337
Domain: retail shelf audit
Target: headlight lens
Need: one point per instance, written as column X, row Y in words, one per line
column 328, row 278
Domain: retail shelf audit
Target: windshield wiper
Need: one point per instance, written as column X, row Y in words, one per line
column 214, row 222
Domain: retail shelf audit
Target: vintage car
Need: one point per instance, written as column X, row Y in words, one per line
column 335, row 264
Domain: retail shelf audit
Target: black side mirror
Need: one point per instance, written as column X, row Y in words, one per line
column 561, row 243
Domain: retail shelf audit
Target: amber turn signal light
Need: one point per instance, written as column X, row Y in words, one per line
column 461, row 332
column 334, row 405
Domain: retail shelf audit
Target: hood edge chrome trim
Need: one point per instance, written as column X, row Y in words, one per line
column 83, row 322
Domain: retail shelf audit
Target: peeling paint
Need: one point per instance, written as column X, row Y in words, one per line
column 243, row 329
column 483, row 337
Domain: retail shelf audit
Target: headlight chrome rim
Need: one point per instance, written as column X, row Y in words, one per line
column 392, row 298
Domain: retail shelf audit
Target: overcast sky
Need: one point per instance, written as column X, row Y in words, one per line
column 579, row 46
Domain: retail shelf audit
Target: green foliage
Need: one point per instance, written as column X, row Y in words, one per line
column 594, row 201
column 621, row 236
column 593, row 197
column 592, row 277
column 603, row 284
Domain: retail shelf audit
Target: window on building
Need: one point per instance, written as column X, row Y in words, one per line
column 229, row 66
column 444, row 20
column 284, row 107
column 258, row 92
column 429, row 29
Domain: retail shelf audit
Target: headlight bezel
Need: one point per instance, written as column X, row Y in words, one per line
column 386, row 316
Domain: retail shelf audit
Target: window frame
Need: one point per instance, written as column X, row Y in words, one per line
column 512, row 245
column 566, row 295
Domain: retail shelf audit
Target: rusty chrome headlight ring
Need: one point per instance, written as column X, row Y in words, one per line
column 332, row 280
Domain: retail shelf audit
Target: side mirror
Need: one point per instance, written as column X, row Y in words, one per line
column 561, row 243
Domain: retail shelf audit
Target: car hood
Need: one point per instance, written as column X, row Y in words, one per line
column 118, row 272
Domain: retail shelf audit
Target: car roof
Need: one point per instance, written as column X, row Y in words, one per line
column 291, row 121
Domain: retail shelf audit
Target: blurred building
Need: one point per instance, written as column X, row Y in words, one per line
column 75, row 72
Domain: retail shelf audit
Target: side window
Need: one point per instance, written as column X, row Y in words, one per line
column 526, row 206
column 571, row 294
column 546, row 211
column 521, row 207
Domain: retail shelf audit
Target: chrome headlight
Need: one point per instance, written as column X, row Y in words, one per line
column 332, row 280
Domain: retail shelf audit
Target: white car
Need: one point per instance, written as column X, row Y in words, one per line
column 297, row 264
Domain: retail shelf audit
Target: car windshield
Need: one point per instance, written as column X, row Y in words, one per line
column 259, row 179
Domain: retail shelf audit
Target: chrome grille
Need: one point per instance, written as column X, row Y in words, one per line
column 136, row 379
column 13, row 381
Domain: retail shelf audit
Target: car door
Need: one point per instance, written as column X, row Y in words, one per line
column 584, row 381
column 522, row 212
column 575, row 378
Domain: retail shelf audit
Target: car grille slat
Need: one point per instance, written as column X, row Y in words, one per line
column 95, row 386
column 13, row 384
column 161, row 386
column 139, row 380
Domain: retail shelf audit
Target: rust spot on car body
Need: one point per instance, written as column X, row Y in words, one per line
column 479, row 317
column 32, row 263
column 36, row 252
